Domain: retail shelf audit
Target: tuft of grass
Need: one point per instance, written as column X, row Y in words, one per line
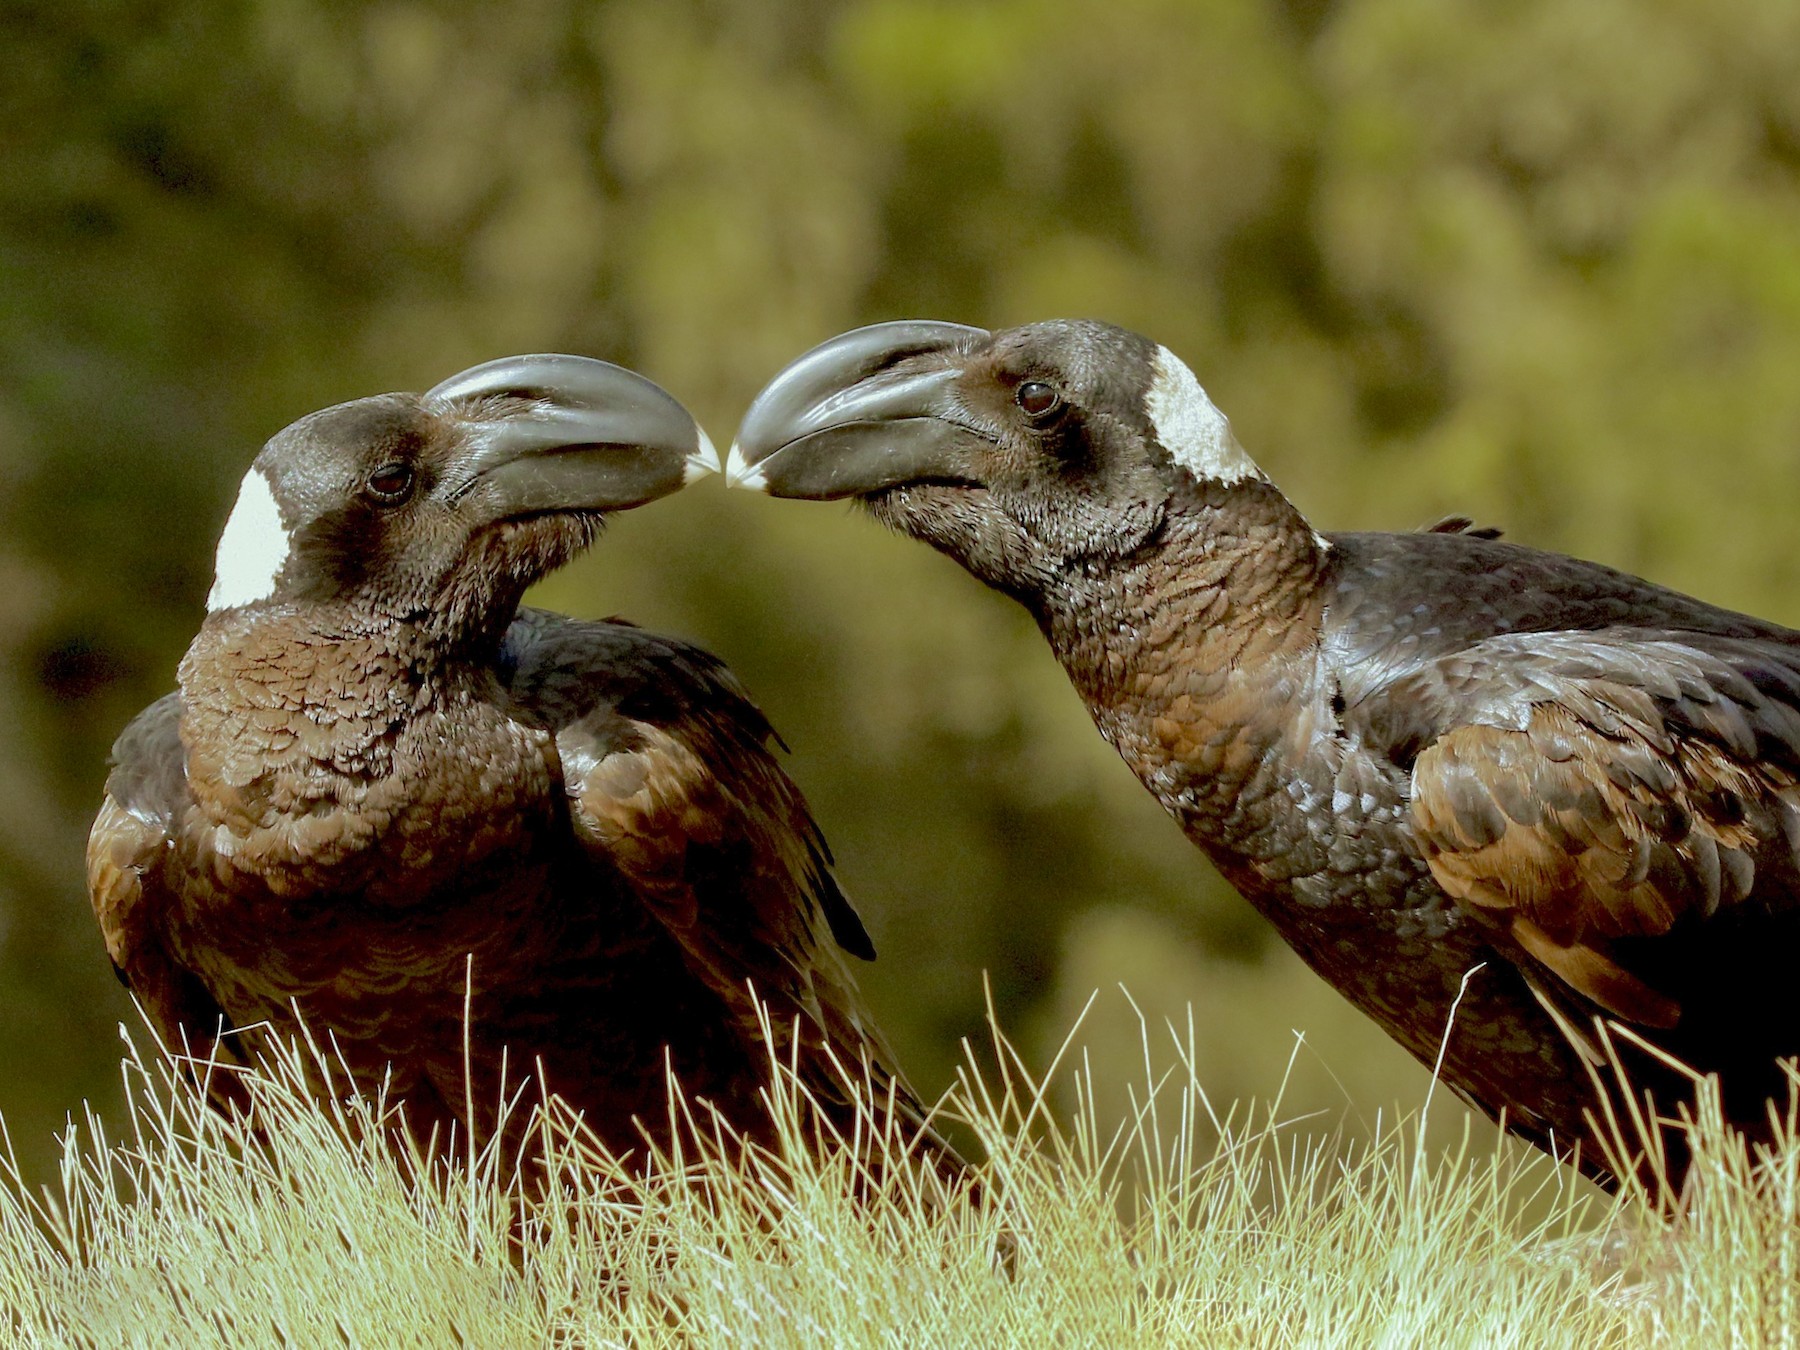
column 296, row 1223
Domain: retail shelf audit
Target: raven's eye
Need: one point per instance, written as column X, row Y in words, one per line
column 391, row 484
column 1037, row 400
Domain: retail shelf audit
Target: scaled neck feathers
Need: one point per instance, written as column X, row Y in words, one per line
column 321, row 683
column 1229, row 562
column 1208, row 631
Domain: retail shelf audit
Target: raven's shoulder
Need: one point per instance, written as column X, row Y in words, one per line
column 1396, row 602
column 564, row 670
column 671, row 772
column 148, row 776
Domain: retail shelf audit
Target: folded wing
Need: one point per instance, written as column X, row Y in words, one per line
column 1594, row 795
column 127, row 855
column 671, row 780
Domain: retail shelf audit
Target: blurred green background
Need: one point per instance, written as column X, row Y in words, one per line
column 1535, row 261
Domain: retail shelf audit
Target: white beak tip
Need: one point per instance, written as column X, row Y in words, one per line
column 703, row 462
column 740, row 473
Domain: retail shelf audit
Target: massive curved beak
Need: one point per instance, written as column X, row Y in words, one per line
column 551, row 433
column 870, row 409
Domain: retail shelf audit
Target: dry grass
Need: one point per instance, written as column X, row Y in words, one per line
column 300, row 1227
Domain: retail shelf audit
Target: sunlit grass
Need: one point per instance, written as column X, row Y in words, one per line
column 299, row 1224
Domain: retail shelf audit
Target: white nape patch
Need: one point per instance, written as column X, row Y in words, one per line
column 739, row 472
column 1191, row 429
column 252, row 550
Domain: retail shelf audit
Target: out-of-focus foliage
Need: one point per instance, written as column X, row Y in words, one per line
column 1538, row 262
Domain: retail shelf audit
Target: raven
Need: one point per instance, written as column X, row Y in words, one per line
column 1504, row 800
column 384, row 794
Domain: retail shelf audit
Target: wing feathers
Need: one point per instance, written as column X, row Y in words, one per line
column 1585, row 969
column 126, row 854
column 672, row 783
column 1593, row 791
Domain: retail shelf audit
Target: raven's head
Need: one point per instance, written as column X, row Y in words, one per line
column 439, row 509
column 1015, row 452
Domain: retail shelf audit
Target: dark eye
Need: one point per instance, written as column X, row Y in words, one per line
column 1037, row 400
column 391, row 484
